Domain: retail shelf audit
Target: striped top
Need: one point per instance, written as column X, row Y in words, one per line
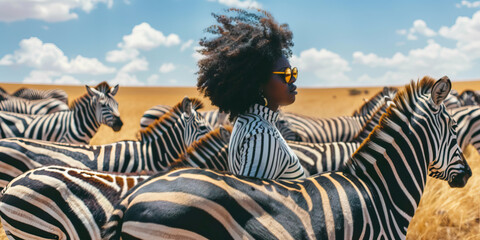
column 257, row 149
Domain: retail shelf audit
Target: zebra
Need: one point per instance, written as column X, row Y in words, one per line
column 78, row 125
column 469, row 98
column 56, row 202
column 33, row 107
column 371, row 103
column 214, row 117
column 375, row 198
column 84, row 199
column 157, row 147
column 37, row 94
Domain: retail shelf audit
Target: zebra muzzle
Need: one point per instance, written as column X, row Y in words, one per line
column 461, row 179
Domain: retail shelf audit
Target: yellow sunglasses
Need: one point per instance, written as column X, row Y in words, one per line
column 288, row 73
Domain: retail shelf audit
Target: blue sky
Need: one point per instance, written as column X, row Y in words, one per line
column 153, row 42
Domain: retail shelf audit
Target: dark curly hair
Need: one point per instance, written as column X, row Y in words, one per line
column 238, row 61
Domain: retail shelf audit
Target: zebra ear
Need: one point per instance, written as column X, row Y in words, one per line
column 440, row 90
column 187, row 106
column 92, row 91
column 113, row 90
column 225, row 133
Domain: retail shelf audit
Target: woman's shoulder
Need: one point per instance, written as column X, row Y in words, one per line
column 253, row 124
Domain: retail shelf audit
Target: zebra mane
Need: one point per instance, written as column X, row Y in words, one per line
column 386, row 91
column 168, row 118
column 404, row 101
column 102, row 87
column 213, row 135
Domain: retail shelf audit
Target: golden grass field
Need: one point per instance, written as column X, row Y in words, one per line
column 444, row 213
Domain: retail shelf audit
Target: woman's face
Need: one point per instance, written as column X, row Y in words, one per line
column 277, row 91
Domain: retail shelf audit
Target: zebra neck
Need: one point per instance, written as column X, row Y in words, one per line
column 393, row 163
column 84, row 117
column 163, row 145
column 370, row 125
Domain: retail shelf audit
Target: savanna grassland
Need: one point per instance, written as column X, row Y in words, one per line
column 444, row 213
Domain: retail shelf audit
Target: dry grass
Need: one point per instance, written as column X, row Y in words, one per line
column 444, row 213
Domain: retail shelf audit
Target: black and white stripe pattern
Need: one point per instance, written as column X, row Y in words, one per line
column 257, row 149
column 34, row 107
column 213, row 117
column 372, row 103
column 375, row 199
column 84, row 199
column 324, row 130
column 159, row 145
column 469, row 98
column 77, row 125
column 62, row 203
column 37, row 94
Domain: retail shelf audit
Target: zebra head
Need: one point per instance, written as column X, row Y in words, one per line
column 448, row 163
column 195, row 124
column 106, row 107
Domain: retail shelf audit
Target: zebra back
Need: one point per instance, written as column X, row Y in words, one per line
column 371, row 104
column 33, row 107
column 58, row 202
column 469, row 98
column 37, row 94
column 153, row 114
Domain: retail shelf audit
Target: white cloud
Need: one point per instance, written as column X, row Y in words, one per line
column 419, row 27
column 153, row 79
column 468, row 4
column 433, row 59
column 126, row 79
column 166, row 67
column 186, row 45
column 239, row 3
column 121, row 55
column 142, row 37
column 145, row 37
column 466, row 31
column 136, row 65
column 326, row 65
column 48, row 57
column 46, row 77
column 50, row 11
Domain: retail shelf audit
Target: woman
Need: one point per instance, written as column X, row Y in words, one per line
column 246, row 73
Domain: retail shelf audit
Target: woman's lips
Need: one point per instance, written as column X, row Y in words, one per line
column 292, row 89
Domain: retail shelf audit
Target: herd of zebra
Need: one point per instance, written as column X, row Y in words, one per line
column 366, row 172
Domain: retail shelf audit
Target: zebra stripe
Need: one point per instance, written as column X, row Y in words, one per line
column 96, row 192
column 469, row 98
column 371, row 104
column 34, row 107
column 324, row 130
column 374, row 199
column 75, row 126
column 213, row 117
column 37, row 94
column 158, row 146
column 57, row 202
